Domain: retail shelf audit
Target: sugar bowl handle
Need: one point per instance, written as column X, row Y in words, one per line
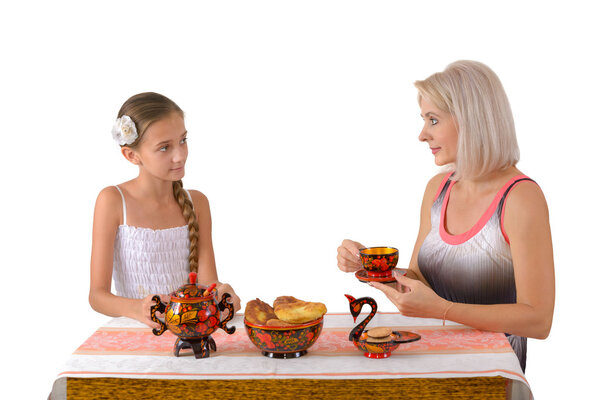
column 158, row 307
column 224, row 304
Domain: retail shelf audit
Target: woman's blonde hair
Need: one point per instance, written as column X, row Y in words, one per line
column 472, row 93
column 144, row 109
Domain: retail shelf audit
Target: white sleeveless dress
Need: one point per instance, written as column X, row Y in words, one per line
column 148, row 261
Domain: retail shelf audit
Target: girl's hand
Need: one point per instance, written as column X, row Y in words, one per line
column 143, row 314
column 413, row 298
column 226, row 288
column 347, row 256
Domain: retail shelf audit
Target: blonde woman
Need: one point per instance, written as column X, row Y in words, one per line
column 150, row 232
column 483, row 254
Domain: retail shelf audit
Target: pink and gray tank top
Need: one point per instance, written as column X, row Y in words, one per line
column 474, row 267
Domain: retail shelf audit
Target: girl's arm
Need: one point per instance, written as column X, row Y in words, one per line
column 207, row 269
column 107, row 218
column 527, row 226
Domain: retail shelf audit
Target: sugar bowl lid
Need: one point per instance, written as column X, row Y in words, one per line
column 192, row 290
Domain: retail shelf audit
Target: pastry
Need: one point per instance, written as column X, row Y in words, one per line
column 295, row 311
column 282, row 300
column 379, row 332
column 258, row 312
column 379, row 335
column 278, row 322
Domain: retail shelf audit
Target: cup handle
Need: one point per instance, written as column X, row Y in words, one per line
column 224, row 304
column 158, row 307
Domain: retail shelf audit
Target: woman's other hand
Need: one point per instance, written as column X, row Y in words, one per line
column 347, row 256
column 413, row 298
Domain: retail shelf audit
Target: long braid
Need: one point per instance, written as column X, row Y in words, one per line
column 188, row 212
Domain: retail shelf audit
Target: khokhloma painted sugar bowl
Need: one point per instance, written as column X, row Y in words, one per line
column 193, row 314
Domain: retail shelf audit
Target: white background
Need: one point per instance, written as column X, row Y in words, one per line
column 303, row 127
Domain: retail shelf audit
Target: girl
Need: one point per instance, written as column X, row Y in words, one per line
column 483, row 255
column 150, row 232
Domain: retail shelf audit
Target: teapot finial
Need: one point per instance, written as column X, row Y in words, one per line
column 193, row 276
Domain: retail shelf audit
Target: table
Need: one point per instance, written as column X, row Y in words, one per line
column 123, row 359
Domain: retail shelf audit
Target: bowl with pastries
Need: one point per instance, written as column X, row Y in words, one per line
column 286, row 329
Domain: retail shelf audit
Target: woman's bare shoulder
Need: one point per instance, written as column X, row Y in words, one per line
column 526, row 198
column 433, row 185
column 436, row 180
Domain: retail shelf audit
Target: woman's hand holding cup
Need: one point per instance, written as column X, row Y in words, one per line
column 348, row 257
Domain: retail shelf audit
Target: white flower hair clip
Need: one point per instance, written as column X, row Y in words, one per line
column 124, row 130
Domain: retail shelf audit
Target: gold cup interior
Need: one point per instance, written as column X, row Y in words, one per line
column 378, row 251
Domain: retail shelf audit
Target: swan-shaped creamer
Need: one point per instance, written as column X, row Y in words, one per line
column 356, row 306
column 358, row 335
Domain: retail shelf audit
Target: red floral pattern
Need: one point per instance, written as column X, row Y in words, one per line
column 196, row 317
column 284, row 340
column 379, row 263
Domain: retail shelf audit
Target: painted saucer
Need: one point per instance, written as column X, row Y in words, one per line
column 384, row 349
column 363, row 276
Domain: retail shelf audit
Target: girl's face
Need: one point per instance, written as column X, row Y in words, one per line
column 440, row 132
column 163, row 150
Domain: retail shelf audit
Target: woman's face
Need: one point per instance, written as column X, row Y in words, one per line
column 440, row 132
column 163, row 151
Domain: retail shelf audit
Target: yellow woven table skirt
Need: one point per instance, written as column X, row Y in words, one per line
column 292, row 389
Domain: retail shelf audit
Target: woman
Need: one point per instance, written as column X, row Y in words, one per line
column 483, row 255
